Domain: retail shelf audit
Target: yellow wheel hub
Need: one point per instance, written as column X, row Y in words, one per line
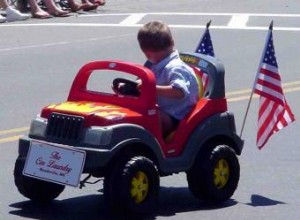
column 221, row 173
column 139, row 187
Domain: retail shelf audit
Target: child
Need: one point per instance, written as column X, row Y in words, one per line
column 176, row 83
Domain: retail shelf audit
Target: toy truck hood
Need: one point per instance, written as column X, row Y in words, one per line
column 95, row 114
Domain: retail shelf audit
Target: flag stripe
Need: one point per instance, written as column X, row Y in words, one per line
column 287, row 118
column 269, row 67
column 271, row 72
column 264, row 110
column 269, row 79
column 269, row 94
column 284, row 120
column 265, row 83
column 271, row 111
column 271, row 119
column 266, row 128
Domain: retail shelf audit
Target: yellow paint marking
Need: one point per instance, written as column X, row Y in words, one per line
column 238, row 92
column 291, row 84
column 10, row 139
column 15, row 130
column 292, row 89
column 248, row 91
column 240, row 98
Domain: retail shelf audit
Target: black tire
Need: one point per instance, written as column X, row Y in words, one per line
column 132, row 187
column 36, row 190
column 215, row 174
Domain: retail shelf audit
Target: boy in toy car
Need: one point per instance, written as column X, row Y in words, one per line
column 176, row 84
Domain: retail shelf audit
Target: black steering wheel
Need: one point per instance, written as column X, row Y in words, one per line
column 126, row 87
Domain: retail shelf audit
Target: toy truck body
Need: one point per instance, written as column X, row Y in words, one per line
column 118, row 137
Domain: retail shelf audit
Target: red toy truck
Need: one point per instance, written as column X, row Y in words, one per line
column 117, row 137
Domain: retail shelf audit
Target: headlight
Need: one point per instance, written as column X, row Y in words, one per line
column 38, row 127
column 98, row 136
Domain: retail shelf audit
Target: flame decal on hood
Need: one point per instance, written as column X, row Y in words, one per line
column 83, row 107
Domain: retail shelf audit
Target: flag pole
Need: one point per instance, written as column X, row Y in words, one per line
column 252, row 91
column 208, row 24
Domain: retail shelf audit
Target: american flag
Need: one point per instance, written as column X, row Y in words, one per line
column 274, row 112
column 205, row 45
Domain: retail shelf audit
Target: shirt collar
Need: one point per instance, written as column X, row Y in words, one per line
column 161, row 65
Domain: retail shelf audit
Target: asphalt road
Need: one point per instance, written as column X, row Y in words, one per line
column 39, row 59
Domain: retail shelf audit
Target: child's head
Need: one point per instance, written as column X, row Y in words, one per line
column 155, row 40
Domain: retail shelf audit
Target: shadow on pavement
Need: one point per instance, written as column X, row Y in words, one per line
column 177, row 200
column 258, row 200
column 84, row 207
column 172, row 200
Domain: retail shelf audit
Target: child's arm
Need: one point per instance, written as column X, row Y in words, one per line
column 169, row 91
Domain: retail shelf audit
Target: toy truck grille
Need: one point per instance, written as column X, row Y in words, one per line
column 64, row 128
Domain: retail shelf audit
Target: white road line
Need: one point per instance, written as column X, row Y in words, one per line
column 196, row 14
column 61, row 43
column 132, row 19
column 225, row 14
column 139, row 25
column 238, row 21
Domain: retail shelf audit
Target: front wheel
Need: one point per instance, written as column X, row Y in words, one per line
column 133, row 186
column 34, row 189
column 215, row 174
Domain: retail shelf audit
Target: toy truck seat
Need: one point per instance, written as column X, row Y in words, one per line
column 210, row 73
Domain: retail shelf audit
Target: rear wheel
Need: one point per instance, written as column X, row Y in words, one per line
column 133, row 186
column 34, row 189
column 215, row 174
